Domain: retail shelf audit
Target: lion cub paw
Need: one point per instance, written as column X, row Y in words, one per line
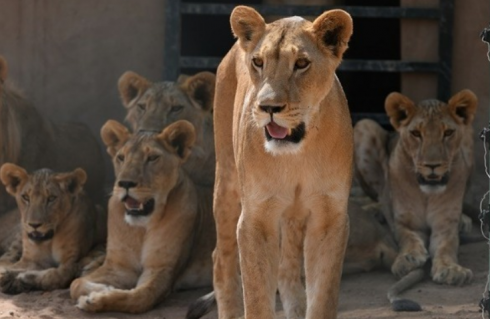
column 406, row 262
column 93, row 302
column 11, row 284
column 451, row 274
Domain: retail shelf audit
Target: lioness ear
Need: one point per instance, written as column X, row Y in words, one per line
column 182, row 77
column 333, row 29
column 399, row 108
column 4, row 69
column 72, row 182
column 200, row 88
column 131, row 86
column 178, row 137
column 247, row 25
column 114, row 135
column 463, row 106
column 13, row 177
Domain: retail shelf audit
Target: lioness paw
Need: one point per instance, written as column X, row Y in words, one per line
column 451, row 274
column 406, row 262
column 11, row 284
column 90, row 303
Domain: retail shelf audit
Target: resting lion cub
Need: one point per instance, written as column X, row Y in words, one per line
column 161, row 229
column 60, row 226
column 284, row 150
column 420, row 178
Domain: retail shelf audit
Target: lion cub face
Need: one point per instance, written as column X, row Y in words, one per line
column 146, row 165
column 432, row 132
column 44, row 198
column 153, row 106
column 292, row 66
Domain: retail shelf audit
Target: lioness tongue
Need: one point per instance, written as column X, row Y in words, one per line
column 276, row 131
column 132, row 203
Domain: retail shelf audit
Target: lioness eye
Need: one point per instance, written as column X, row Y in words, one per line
column 258, row 62
column 301, row 64
column 25, row 197
column 153, row 158
column 120, row 158
column 51, row 198
column 416, row 133
column 448, row 133
column 176, row 108
column 141, row 106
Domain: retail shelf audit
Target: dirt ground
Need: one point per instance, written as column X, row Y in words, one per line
column 363, row 296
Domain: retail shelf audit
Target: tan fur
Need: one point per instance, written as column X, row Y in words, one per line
column 31, row 141
column 272, row 189
column 168, row 247
column 59, row 227
column 433, row 143
column 153, row 106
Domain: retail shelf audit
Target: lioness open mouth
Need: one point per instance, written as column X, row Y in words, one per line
column 274, row 131
column 136, row 208
column 432, row 180
column 38, row 237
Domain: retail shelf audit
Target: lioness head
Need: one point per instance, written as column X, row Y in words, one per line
column 291, row 63
column 146, row 165
column 431, row 133
column 44, row 198
column 153, row 106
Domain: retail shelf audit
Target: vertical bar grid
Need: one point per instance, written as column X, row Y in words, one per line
column 445, row 49
column 171, row 50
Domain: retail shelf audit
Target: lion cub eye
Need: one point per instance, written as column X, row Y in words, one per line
column 120, row 158
column 51, row 198
column 301, row 63
column 448, row 133
column 416, row 133
column 153, row 158
column 141, row 106
column 176, row 109
column 258, row 62
column 25, row 197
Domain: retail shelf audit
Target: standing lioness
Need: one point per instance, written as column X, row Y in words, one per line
column 284, row 156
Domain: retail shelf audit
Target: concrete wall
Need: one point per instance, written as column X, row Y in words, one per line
column 67, row 55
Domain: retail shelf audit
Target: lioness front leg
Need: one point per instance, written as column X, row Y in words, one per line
column 327, row 232
column 291, row 288
column 413, row 253
column 153, row 285
column 444, row 243
column 226, row 273
column 258, row 242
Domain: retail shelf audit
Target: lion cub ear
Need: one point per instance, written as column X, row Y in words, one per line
column 72, row 182
column 200, row 88
column 400, row 109
column 178, row 138
column 247, row 25
column 333, row 29
column 4, row 69
column 114, row 135
column 13, row 177
column 131, row 86
column 462, row 106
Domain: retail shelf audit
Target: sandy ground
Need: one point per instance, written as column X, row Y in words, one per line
column 362, row 296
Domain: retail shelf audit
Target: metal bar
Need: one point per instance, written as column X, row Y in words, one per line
column 347, row 65
column 445, row 49
column 380, row 118
column 290, row 10
column 171, row 49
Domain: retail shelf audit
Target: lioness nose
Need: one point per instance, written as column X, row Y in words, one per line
column 272, row 109
column 126, row 184
column 35, row 225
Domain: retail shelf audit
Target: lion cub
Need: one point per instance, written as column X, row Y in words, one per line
column 59, row 226
column 161, row 228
